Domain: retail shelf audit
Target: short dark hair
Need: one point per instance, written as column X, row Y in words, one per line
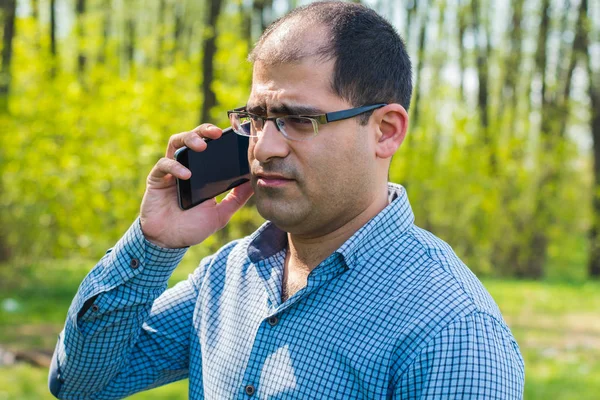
column 371, row 62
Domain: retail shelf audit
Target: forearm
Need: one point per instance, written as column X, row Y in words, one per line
column 97, row 341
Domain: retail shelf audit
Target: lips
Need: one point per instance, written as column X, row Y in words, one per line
column 271, row 180
column 271, row 176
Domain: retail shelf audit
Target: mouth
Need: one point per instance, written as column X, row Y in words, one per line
column 271, row 180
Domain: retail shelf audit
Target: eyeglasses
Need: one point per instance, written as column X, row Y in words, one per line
column 293, row 127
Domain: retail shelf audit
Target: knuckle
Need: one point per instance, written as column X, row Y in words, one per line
column 173, row 138
column 189, row 136
column 204, row 127
column 176, row 138
column 164, row 163
column 207, row 130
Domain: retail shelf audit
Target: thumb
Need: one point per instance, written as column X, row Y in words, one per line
column 234, row 200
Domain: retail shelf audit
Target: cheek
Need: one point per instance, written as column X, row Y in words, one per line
column 336, row 170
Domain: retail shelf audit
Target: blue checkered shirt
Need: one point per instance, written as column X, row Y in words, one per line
column 393, row 313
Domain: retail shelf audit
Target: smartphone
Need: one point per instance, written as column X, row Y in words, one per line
column 219, row 168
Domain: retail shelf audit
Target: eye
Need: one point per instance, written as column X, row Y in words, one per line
column 297, row 120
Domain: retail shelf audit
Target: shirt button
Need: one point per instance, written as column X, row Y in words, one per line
column 273, row 320
column 249, row 390
column 134, row 263
column 95, row 308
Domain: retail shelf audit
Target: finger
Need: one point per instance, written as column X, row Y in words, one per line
column 195, row 138
column 164, row 167
column 208, row 131
column 234, row 200
column 192, row 139
column 194, row 142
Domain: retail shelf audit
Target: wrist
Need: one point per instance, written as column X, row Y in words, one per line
column 154, row 240
column 157, row 243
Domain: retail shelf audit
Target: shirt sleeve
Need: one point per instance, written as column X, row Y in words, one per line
column 474, row 357
column 124, row 331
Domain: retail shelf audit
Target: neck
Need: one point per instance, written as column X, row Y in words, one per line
column 308, row 251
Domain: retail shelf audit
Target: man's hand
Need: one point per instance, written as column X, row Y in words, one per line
column 163, row 222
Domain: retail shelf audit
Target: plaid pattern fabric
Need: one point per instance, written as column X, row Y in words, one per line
column 393, row 313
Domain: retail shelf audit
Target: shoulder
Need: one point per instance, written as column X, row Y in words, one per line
column 449, row 273
column 443, row 297
column 474, row 356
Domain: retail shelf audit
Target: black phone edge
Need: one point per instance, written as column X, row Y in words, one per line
column 177, row 180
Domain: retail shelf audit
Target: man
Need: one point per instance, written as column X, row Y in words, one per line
column 339, row 295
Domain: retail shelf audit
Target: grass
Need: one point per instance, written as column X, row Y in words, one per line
column 558, row 330
column 555, row 323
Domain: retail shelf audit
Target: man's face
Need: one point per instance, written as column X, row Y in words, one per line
column 309, row 187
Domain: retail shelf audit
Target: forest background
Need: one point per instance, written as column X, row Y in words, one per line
column 502, row 159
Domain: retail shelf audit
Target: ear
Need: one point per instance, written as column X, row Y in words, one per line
column 391, row 126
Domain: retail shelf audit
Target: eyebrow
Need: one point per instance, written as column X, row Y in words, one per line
column 285, row 109
column 257, row 109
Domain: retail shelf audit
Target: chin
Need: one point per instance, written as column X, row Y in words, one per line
column 285, row 214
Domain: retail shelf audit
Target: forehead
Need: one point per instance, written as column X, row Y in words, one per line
column 306, row 82
column 292, row 67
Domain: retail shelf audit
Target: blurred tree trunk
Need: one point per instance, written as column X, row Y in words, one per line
column 260, row 7
column 462, row 29
column 420, row 61
column 35, row 14
column 106, row 12
column 540, row 54
column 411, row 11
column 53, row 49
column 246, row 25
column 209, row 49
column 130, row 42
column 554, row 112
column 482, row 39
column 9, row 11
column 178, row 29
column 579, row 48
column 594, row 95
column 161, row 31
column 8, row 34
column 533, row 267
column 81, row 57
column 512, row 65
column 409, row 145
column 34, row 9
column 508, row 254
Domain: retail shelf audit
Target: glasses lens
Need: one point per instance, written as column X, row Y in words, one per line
column 297, row 128
column 240, row 123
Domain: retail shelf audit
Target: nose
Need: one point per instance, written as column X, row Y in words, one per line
column 269, row 144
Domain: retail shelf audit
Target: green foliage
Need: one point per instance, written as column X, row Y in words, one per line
column 481, row 197
column 75, row 150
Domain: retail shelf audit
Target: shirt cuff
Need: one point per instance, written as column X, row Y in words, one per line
column 137, row 261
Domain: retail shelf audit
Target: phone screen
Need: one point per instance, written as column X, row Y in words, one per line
column 219, row 168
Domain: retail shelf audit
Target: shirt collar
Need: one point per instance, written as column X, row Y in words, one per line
column 389, row 223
